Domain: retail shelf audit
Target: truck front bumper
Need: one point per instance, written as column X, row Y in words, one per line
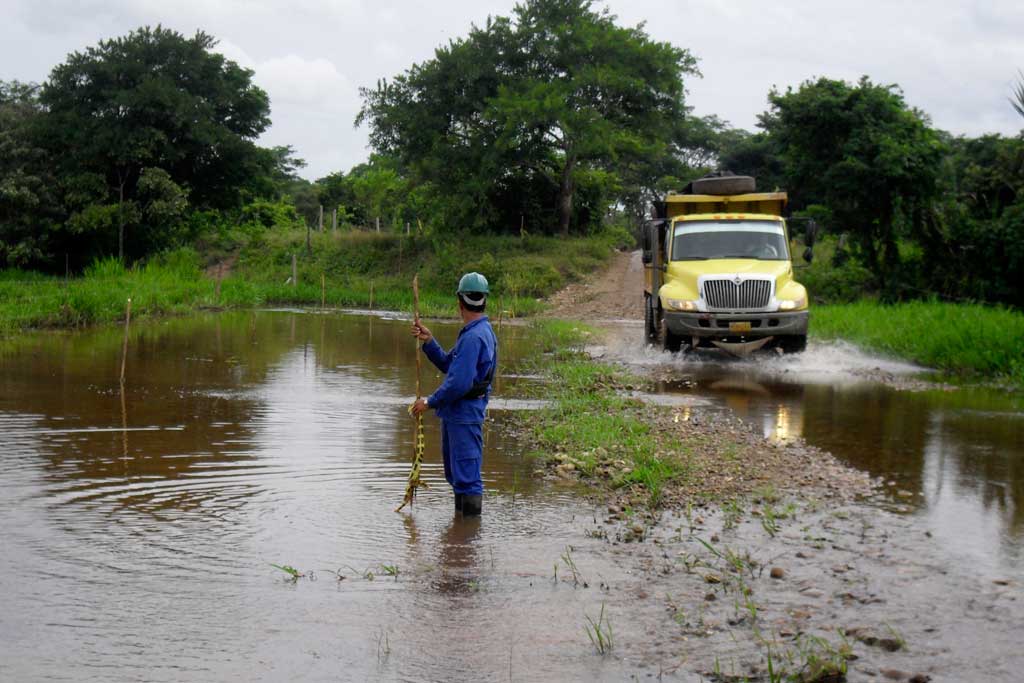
column 723, row 325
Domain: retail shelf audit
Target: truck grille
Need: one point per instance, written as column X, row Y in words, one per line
column 727, row 295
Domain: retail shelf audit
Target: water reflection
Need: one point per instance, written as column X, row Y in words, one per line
column 240, row 440
column 960, row 454
column 458, row 557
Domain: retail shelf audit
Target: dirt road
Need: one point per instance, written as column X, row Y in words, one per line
column 615, row 293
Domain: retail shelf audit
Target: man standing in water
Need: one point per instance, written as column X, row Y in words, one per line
column 461, row 400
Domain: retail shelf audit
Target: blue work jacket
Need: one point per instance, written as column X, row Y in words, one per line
column 470, row 361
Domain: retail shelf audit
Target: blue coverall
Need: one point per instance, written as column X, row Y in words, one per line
column 462, row 419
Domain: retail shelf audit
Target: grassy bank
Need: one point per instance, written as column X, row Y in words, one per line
column 591, row 430
column 650, row 456
column 968, row 341
column 340, row 269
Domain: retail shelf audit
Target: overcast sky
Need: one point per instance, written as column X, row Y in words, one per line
column 955, row 60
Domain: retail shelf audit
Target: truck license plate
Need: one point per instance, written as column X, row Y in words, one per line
column 739, row 327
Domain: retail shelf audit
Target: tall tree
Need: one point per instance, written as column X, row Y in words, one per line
column 550, row 95
column 862, row 152
column 155, row 99
column 28, row 211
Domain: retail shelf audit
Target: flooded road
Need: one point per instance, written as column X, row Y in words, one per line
column 138, row 537
column 954, row 458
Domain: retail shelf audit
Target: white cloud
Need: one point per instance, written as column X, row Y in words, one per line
column 956, row 60
column 314, row 83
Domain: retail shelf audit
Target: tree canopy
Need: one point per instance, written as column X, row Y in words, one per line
column 862, row 152
column 528, row 113
column 153, row 99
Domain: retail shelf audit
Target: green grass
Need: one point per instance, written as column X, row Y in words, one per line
column 168, row 285
column 351, row 265
column 969, row 341
column 590, row 425
column 520, row 270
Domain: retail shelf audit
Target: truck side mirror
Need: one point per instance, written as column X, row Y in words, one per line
column 808, row 254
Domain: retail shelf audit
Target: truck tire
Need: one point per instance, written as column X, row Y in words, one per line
column 669, row 342
column 796, row 343
column 650, row 329
column 734, row 184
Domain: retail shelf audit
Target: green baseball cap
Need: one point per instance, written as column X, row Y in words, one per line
column 473, row 283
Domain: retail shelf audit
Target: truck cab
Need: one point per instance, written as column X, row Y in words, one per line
column 719, row 273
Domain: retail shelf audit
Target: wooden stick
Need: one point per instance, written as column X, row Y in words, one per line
column 124, row 348
column 323, row 291
column 416, row 320
column 371, row 296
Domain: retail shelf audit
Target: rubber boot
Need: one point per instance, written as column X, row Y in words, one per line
column 458, row 502
column 472, row 505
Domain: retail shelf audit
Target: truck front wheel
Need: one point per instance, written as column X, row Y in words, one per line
column 669, row 341
column 796, row 343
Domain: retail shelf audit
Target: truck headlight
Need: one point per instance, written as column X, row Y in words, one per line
column 682, row 305
column 793, row 304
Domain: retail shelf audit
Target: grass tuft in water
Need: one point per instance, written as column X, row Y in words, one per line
column 600, row 632
column 291, row 571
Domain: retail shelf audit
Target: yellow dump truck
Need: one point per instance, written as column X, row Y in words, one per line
column 718, row 270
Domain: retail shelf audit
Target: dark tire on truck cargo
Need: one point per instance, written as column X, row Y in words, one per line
column 724, row 185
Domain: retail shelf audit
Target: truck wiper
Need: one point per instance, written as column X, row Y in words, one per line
column 693, row 258
column 746, row 256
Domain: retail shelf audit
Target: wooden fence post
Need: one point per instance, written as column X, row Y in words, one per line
column 124, row 348
column 334, row 220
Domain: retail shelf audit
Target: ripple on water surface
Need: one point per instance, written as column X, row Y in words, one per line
column 149, row 529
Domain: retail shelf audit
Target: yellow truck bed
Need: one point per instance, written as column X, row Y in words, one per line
column 771, row 203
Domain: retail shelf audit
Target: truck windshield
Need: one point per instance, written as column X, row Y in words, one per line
column 716, row 239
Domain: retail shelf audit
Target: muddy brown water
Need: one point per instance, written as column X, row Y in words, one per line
column 137, row 537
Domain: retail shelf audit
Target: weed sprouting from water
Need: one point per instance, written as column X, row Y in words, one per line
column 732, row 513
column 390, row 570
column 769, row 521
column 767, row 493
column 688, row 513
column 898, row 640
column 570, row 563
column 600, row 632
column 812, row 658
column 772, row 676
column 336, row 573
column 291, row 571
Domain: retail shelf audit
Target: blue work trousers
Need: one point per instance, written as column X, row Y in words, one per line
column 462, row 446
